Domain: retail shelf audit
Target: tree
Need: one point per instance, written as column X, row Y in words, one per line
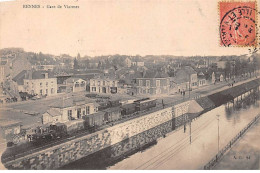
column 76, row 64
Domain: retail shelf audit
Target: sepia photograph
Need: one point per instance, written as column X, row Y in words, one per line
column 130, row 85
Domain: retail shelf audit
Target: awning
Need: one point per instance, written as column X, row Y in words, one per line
column 194, row 107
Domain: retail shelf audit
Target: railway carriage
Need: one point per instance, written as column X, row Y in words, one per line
column 142, row 105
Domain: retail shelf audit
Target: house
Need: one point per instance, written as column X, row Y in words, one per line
column 178, row 85
column 152, row 82
column 69, row 109
column 202, row 64
column 40, row 83
column 217, row 77
column 103, row 84
column 45, row 67
column 201, row 79
column 18, row 64
column 187, row 75
column 9, row 129
column 128, row 62
column 75, row 84
column 4, row 71
column 138, row 63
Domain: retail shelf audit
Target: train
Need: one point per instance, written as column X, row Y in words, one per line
column 114, row 112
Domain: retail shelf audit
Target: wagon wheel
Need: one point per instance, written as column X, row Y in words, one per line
column 16, row 140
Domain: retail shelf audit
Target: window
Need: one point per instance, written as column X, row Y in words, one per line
column 46, row 91
column 77, row 84
column 93, row 82
column 52, row 90
column 147, row 83
column 104, row 83
column 79, row 113
column 40, row 84
column 69, row 114
column 41, row 92
column 87, row 110
column 157, row 83
column 82, row 84
column 98, row 83
column 140, row 83
column 46, row 83
column 93, row 88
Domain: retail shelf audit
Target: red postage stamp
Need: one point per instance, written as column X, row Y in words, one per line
column 238, row 23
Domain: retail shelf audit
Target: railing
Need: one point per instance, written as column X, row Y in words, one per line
column 220, row 154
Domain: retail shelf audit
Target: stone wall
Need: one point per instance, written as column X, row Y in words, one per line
column 121, row 138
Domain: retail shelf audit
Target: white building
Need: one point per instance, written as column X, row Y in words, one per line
column 75, row 84
column 40, row 83
column 69, row 109
column 103, row 85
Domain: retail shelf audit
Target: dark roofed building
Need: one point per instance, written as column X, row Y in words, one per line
column 152, row 82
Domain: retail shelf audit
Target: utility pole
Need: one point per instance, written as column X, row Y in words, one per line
column 190, row 131
column 189, row 86
column 218, row 131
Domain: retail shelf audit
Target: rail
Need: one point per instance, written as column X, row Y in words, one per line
column 221, row 153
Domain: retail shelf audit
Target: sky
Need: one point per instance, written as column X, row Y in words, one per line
column 104, row 27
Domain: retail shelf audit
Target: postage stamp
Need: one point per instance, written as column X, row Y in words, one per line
column 238, row 24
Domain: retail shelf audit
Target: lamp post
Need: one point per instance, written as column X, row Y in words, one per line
column 218, row 131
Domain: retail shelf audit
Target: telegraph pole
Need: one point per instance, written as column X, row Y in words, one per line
column 218, row 131
column 190, row 131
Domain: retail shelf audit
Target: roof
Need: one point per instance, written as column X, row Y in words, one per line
column 112, row 109
column 102, row 77
column 188, row 70
column 63, row 103
column 70, row 102
column 53, row 112
column 72, row 79
column 152, row 74
column 179, row 80
column 7, row 123
column 194, row 107
column 20, row 77
column 41, row 74
column 100, row 113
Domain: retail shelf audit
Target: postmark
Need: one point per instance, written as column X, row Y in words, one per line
column 238, row 24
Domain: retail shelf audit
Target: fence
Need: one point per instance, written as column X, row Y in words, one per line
column 217, row 158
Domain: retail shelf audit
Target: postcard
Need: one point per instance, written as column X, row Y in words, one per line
column 129, row 84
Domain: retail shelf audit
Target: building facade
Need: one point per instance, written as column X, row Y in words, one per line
column 188, row 75
column 103, row 85
column 75, row 84
column 68, row 110
column 40, row 83
column 152, row 82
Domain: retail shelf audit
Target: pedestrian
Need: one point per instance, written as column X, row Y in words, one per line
column 183, row 93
